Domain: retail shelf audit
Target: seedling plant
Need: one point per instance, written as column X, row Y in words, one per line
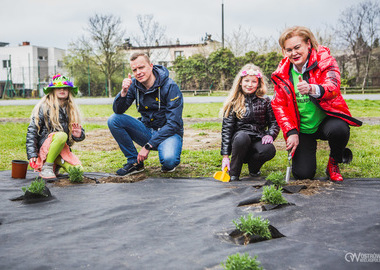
column 273, row 195
column 250, row 225
column 277, row 178
column 36, row 187
column 75, row 174
column 241, row 262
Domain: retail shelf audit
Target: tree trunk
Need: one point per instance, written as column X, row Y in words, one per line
column 357, row 70
column 366, row 71
column 109, row 87
column 223, row 81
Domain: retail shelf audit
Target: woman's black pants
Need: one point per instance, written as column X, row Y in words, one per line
column 249, row 150
column 334, row 130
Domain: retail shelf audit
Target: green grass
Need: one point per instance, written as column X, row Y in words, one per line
column 364, row 108
column 202, row 163
column 15, row 111
column 204, row 110
column 212, row 126
column 358, row 108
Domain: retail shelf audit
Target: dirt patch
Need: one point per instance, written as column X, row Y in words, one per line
column 312, row 186
column 64, row 180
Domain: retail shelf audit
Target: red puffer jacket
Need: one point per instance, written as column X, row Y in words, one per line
column 322, row 69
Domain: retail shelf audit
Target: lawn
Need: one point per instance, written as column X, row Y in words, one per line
column 358, row 108
column 200, row 163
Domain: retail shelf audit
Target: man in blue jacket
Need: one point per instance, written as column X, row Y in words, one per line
column 160, row 127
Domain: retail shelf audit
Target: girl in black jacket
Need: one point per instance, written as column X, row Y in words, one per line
column 249, row 126
column 53, row 128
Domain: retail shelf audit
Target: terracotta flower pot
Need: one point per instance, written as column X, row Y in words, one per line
column 19, row 168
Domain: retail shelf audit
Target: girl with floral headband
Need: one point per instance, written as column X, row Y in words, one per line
column 249, row 126
column 54, row 127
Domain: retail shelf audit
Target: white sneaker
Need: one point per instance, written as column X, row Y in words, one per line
column 167, row 171
column 47, row 171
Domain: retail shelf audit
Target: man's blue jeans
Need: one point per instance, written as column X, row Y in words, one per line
column 126, row 130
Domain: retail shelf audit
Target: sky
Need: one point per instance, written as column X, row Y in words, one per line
column 51, row 23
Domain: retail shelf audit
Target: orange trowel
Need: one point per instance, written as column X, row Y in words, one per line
column 222, row 175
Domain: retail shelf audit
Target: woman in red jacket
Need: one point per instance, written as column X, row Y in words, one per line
column 308, row 104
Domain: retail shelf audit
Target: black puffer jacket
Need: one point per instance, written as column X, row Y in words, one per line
column 258, row 121
column 35, row 139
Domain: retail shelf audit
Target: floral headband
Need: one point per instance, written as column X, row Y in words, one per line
column 251, row 72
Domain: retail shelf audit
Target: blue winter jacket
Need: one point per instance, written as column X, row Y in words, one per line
column 160, row 106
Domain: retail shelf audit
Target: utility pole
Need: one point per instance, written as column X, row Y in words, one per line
column 89, row 79
column 223, row 24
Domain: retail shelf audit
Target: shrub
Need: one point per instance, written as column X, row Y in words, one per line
column 75, row 174
column 36, row 187
column 273, row 195
column 277, row 178
column 253, row 225
column 241, row 262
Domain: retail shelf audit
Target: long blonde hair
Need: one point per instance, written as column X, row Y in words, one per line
column 50, row 106
column 236, row 100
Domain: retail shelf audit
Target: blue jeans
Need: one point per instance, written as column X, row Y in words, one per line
column 126, row 130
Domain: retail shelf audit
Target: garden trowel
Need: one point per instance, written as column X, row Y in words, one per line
column 222, row 175
column 289, row 168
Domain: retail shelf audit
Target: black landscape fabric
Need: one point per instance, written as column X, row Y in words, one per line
column 166, row 223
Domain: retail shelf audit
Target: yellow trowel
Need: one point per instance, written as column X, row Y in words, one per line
column 222, row 175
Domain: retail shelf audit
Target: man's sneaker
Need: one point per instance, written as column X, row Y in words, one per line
column 130, row 169
column 163, row 170
column 234, row 178
column 255, row 175
column 332, row 171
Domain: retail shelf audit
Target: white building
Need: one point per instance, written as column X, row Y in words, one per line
column 29, row 67
column 166, row 54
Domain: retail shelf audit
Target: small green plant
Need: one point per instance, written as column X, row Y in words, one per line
column 273, row 195
column 277, row 178
column 241, row 262
column 253, row 225
column 36, row 187
column 75, row 174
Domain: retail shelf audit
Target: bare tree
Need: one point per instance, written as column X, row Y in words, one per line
column 371, row 31
column 243, row 40
column 152, row 33
column 325, row 37
column 358, row 28
column 103, row 46
column 240, row 41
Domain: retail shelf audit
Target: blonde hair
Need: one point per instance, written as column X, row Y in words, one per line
column 300, row 31
column 50, row 106
column 236, row 100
